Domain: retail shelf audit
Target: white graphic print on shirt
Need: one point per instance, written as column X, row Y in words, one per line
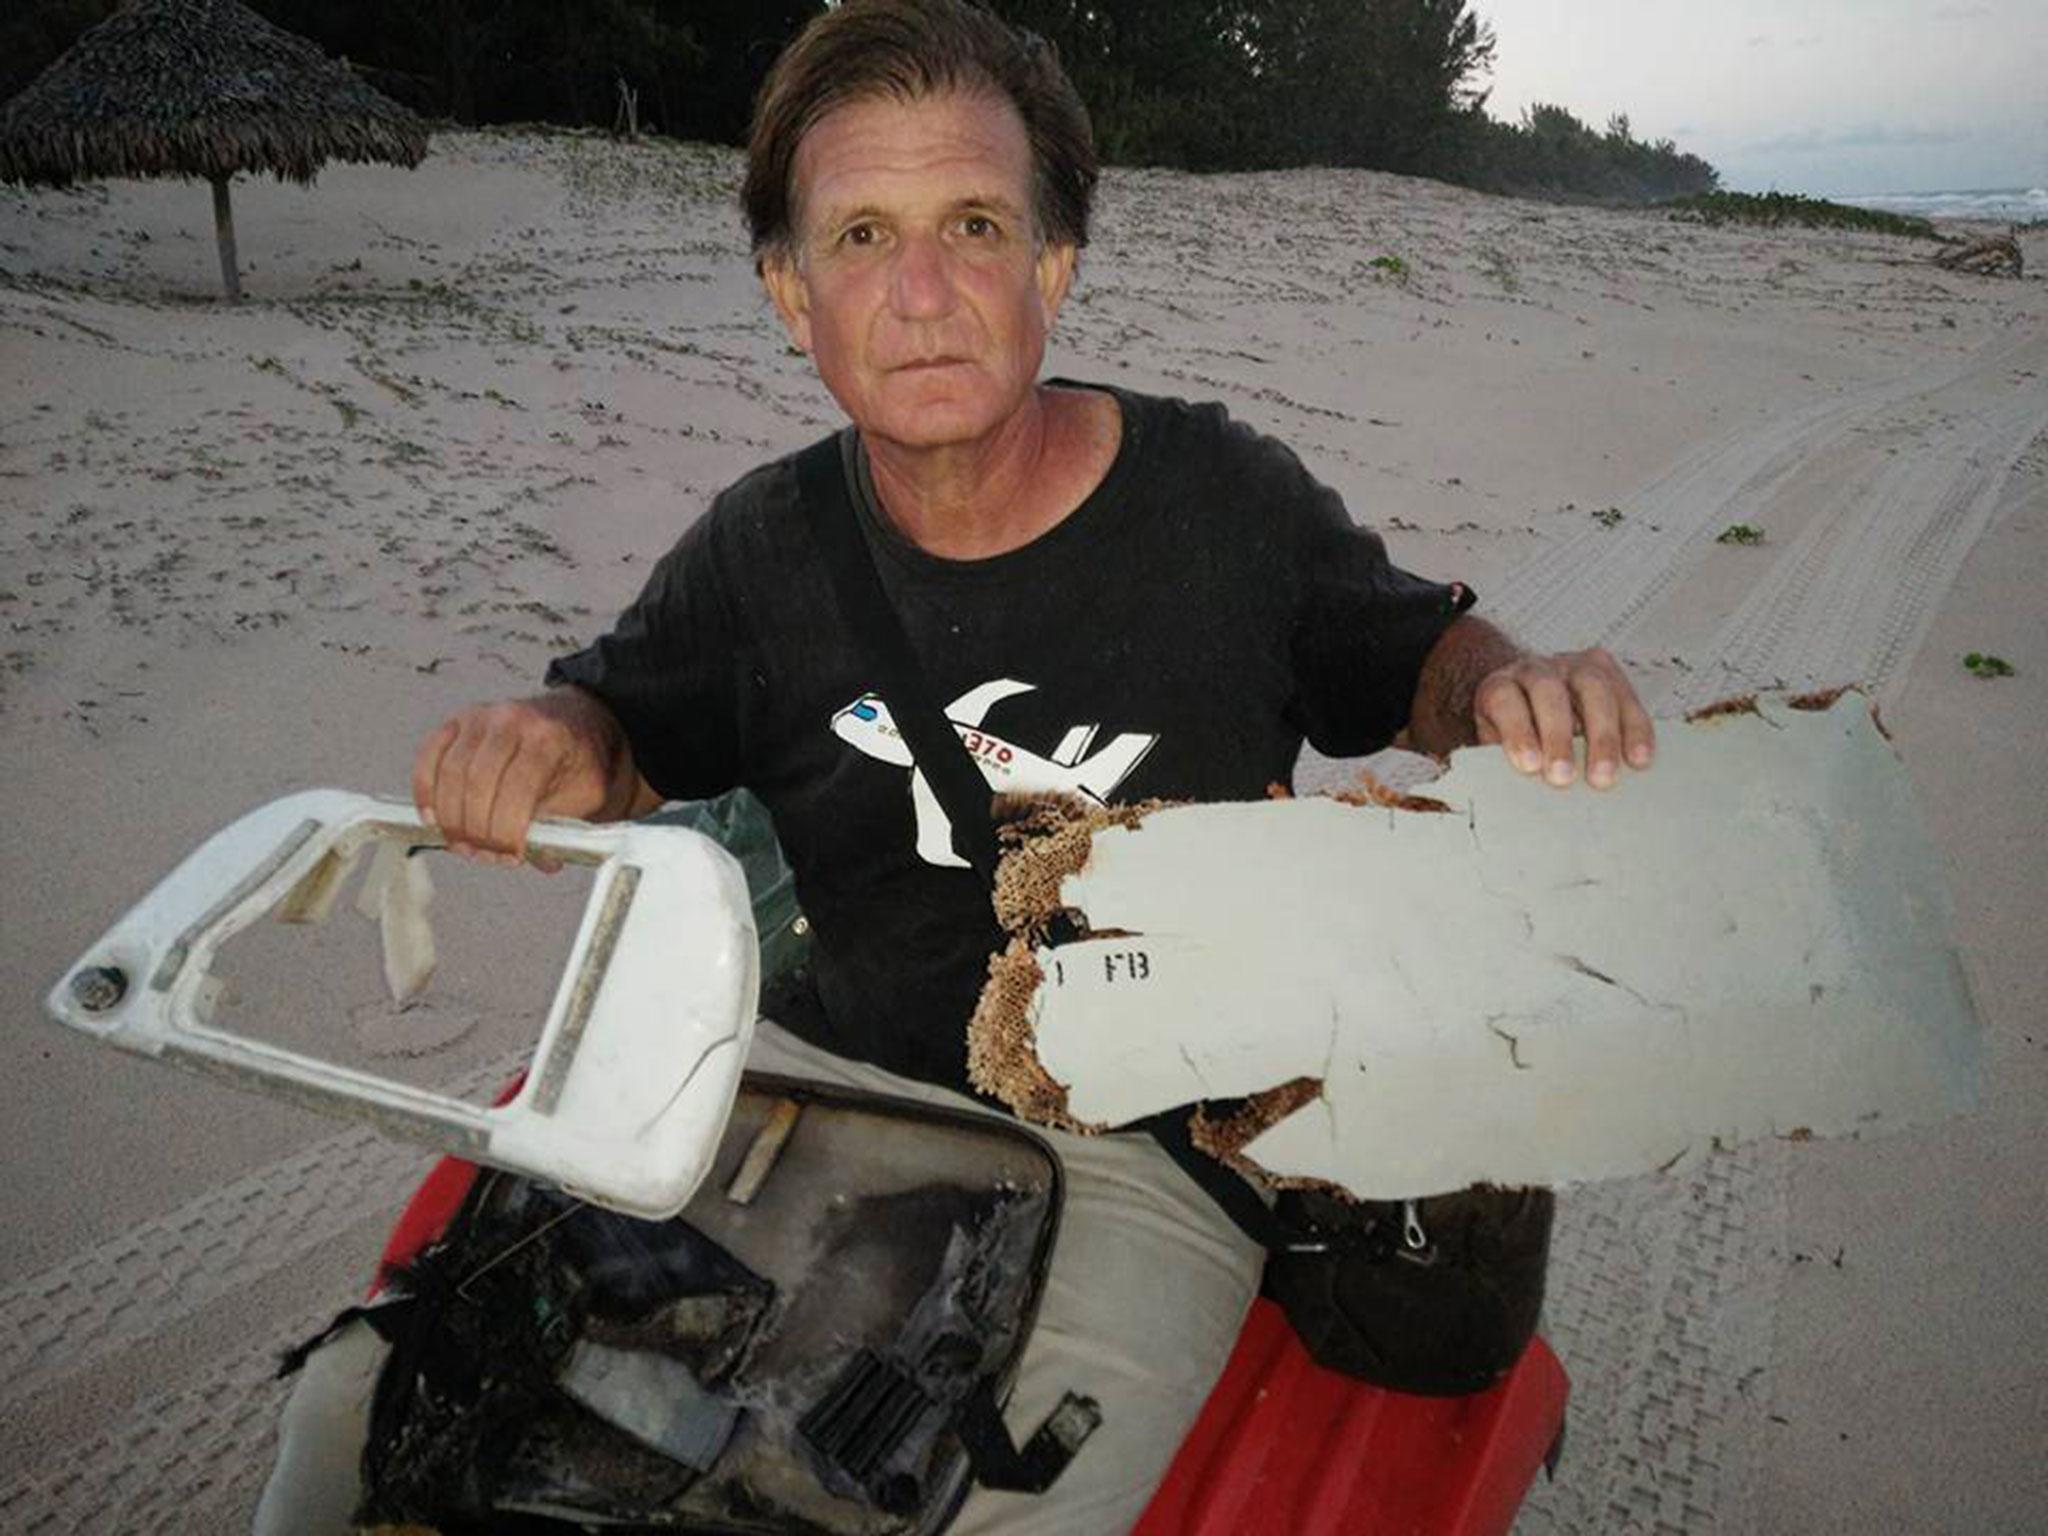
column 867, row 725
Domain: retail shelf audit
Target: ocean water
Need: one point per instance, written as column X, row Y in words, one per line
column 2017, row 205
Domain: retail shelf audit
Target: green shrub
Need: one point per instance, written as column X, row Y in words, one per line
column 1771, row 209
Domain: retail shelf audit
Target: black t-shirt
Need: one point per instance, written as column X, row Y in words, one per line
column 1206, row 608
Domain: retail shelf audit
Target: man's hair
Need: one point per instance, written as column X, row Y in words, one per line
column 910, row 49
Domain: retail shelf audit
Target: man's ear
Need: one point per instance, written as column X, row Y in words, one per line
column 1055, row 273
column 791, row 296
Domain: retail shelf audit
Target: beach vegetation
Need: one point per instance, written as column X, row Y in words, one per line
column 406, row 392
column 1608, row 517
column 1392, row 266
column 350, row 412
column 1498, row 265
column 403, row 450
column 1740, row 533
column 1983, row 664
column 1201, row 85
column 1246, row 85
column 1772, row 209
column 1551, row 154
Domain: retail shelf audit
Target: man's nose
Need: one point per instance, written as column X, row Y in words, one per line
column 922, row 282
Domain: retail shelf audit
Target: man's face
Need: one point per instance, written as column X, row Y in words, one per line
column 916, row 281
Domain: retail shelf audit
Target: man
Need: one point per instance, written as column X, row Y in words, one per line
column 918, row 189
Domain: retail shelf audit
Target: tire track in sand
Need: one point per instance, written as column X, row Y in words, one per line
column 1664, row 1290
column 56, row 1323
column 1600, row 583
column 1852, row 599
column 191, row 1459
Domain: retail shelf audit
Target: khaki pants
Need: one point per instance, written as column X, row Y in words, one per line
column 1148, row 1288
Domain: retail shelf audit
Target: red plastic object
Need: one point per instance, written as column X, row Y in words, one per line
column 1287, row 1448
column 433, row 1205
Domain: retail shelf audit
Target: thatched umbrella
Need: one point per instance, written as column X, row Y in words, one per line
column 198, row 88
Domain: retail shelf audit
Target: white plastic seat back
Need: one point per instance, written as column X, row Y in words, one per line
column 638, row 1061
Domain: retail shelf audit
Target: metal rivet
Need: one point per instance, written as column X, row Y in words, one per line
column 99, row 987
column 800, row 927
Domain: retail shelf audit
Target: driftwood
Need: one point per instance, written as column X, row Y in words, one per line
column 1993, row 256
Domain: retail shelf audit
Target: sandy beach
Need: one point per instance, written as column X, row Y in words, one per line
column 245, row 550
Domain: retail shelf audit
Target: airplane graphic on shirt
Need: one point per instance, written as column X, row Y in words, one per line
column 867, row 725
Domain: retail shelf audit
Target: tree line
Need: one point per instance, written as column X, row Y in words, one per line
column 1394, row 85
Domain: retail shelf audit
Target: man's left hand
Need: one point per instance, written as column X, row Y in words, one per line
column 1535, row 705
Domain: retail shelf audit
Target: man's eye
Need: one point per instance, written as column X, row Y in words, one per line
column 860, row 234
column 978, row 226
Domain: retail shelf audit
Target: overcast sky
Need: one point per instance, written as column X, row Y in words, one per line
column 1816, row 96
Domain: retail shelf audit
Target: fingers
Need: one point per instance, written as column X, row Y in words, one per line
column 426, row 766
column 465, row 787
column 482, row 776
column 522, row 784
column 1638, row 734
column 1527, row 708
column 1501, row 711
column 1536, row 706
column 1617, row 727
column 1550, row 698
column 1600, row 714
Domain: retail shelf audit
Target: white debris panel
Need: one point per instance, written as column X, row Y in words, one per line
column 640, row 1055
column 1524, row 986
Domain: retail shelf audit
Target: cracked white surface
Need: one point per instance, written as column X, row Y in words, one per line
column 1535, row 986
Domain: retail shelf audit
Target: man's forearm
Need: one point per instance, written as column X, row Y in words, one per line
column 1441, row 718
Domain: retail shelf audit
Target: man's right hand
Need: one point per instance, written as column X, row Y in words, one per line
column 483, row 776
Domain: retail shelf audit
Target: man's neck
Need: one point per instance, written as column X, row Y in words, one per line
column 970, row 501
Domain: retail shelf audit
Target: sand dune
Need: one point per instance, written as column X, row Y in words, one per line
column 244, row 550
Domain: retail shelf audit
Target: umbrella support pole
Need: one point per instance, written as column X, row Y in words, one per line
column 224, row 231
